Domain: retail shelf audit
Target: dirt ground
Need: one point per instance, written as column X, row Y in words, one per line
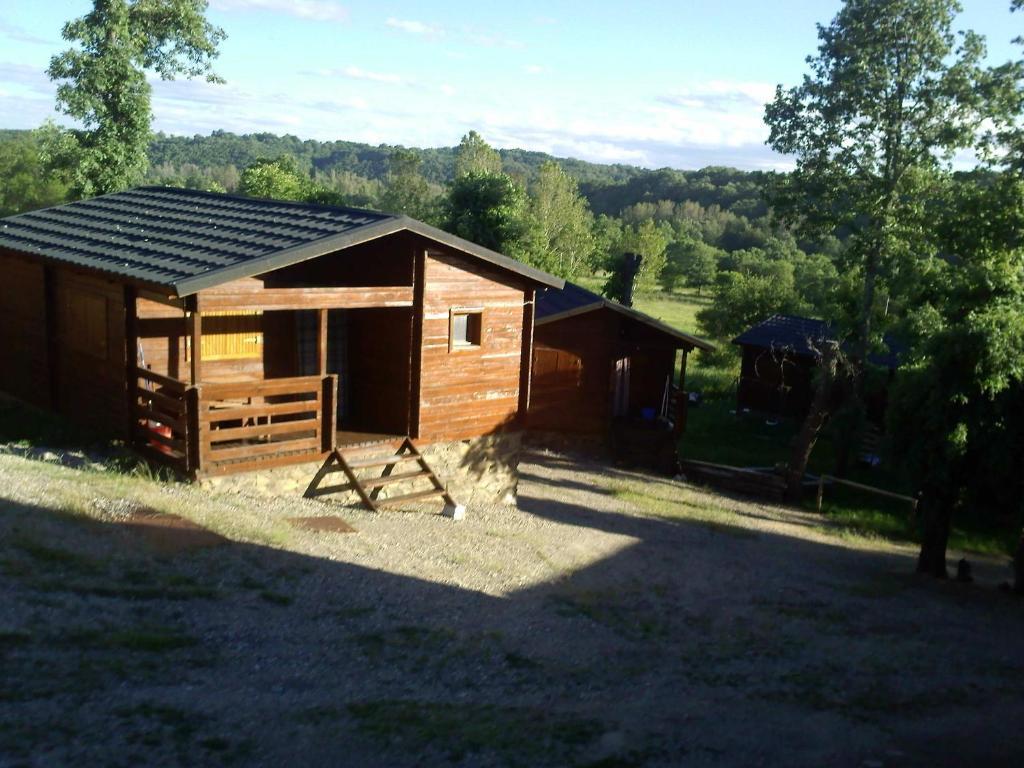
column 613, row 619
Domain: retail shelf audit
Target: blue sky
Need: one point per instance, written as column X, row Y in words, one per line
column 678, row 84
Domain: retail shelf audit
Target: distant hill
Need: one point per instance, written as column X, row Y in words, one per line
column 609, row 188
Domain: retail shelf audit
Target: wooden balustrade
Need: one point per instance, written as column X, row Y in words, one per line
column 160, row 419
column 222, row 427
column 245, row 425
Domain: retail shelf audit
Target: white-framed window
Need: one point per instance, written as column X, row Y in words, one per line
column 465, row 328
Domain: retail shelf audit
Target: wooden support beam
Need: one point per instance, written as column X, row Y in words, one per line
column 416, row 379
column 196, row 336
column 131, row 354
column 342, row 297
column 160, row 298
column 321, row 342
column 682, row 370
column 526, row 361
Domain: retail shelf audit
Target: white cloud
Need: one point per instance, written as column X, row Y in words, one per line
column 314, row 10
column 15, row 32
column 414, row 27
column 357, row 73
column 533, row 69
column 447, row 89
column 721, row 95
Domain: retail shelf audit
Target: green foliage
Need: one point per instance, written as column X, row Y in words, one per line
column 565, row 221
column 958, row 408
column 493, row 211
column 692, row 262
column 649, row 240
column 892, row 95
column 743, row 299
column 26, row 186
column 406, row 191
column 278, row 179
column 474, row 155
column 101, row 83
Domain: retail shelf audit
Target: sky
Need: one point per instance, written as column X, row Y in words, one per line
column 652, row 83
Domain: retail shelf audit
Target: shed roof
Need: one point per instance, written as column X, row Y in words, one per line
column 555, row 304
column 187, row 240
column 799, row 335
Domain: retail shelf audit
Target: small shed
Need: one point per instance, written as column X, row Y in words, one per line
column 598, row 364
column 221, row 334
column 779, row 358
column 780, row 355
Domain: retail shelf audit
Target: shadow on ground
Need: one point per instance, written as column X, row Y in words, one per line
column 694, row 643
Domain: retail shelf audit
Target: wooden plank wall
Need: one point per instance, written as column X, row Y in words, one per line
column 469, row 392
column 572, row 366
column 24, row 371
column 90, row 350
column 572, row 361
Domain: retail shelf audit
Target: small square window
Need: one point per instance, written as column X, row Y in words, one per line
column 465, row 327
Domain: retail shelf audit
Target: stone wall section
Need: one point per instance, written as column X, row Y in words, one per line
column 482, row 470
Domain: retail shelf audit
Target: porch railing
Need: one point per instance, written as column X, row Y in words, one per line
column 222, row 427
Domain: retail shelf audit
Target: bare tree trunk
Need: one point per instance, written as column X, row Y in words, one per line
column 813, row 422
column 938, row 518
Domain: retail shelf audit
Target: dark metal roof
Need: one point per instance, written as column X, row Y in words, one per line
column 799, row 335
column 802, row 336
column 187, row 240
column 554, row 304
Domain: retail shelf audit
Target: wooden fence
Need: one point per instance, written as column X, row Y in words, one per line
column 827, row 479
column 223, row 427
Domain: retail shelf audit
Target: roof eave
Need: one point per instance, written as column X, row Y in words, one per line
column 686, row 339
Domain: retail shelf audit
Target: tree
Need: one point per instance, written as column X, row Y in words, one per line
column 649, row 241
column 277, row 179
column 25, row 185
column 957, row 413
column 565, row 221
column 893, row 93
column 744, row 299
column 492, row 210
column 692, row 261
column 101, row 83
column 406, row 191
column 474, row 155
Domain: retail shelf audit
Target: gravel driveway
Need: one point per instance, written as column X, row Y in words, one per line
column 613, row 619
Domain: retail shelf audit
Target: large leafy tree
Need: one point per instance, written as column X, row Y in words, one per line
column 490, row 209
column 565, row 221
column 893, row 93
column 406, row 191
column 101, row 84
column 958, row 409
column 25, row 185
column 474, row 155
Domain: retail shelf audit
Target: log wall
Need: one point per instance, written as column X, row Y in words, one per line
column 24, row 371
column 468, row 392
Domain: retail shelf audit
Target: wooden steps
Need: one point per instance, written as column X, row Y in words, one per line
column 368, row 488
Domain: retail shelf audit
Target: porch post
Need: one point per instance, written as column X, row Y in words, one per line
column 131, row 357
column 196, row 334
column 321, row 341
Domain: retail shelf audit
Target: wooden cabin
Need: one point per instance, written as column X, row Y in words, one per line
column 780, row 356
column 221, row 334
column 606, row 371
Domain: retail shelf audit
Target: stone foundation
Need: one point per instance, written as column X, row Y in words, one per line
column 484, row 470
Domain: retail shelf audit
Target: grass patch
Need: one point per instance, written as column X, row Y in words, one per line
column 14, row 638
column 144, row 640
column 515, row 735
column 626, row 611
column 679, row 509
column 421, row 641
column 276, row 598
